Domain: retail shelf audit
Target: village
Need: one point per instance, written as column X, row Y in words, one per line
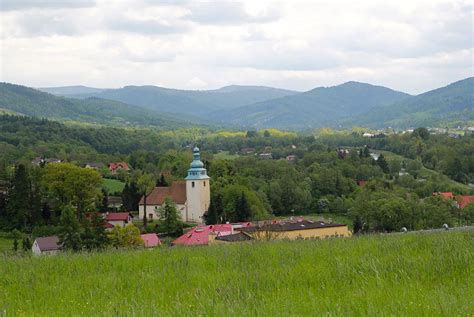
column 191, row 199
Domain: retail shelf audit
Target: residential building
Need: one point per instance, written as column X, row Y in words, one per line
column 115, row 167
column 203, row 235
column 118, row 218
column 46, row 245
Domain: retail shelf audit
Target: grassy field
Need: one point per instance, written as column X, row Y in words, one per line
column 430, row 274
column 113, row 185
column 6, row 244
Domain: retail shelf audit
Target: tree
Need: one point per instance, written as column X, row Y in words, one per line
column 266, row 134
column 70, row 236
column 145, row 187
column 169, row 218
column 69, row 185
column 383, row 164
column 18, row 208
column 242, row 208
column 161, row 182
column 422, row 133
column 211, row 217
column 105, row 201
column 26, row 244
column 126, row 237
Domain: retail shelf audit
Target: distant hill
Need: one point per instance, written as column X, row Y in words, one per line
column 187, row 102
column 27, row 101
column 70, row 90
column 313, row 108
column 453, row 103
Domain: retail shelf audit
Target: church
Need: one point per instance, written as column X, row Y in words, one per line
column 192, row 196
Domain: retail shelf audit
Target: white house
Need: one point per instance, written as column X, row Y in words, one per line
column 192, row 196
column 118, row 218
column 46, row 245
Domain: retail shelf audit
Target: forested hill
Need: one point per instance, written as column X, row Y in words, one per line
column 313, row 108
column 453, row 103
column 185, row 102
column 31, row 102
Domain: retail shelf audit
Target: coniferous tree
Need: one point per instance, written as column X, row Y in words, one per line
column 211, row 215
column 126, row 199
column 161, row 182
column 242, row 208
column 105, row 201
column 170, row 218
column 70, row 236
column 100, row 235
column 26, row 244
column 15, row 245
column 383, row 164
column 18, row 205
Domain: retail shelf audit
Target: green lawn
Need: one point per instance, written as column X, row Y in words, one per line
column 113, row 185
column 429, row 274
column 225, row 155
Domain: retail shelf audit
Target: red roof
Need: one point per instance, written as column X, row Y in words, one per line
column 151, row 240
column 177, row 193
column 108, row 225
column 361, row 182
column 200, row 235
column 465, row 200
column 446, row 195
column 115, row 165
column 117, row 216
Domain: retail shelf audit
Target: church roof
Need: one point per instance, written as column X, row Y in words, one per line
column 177, row 193
column 197, row 170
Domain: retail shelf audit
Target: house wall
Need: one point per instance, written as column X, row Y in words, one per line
column 117, row 223
column 35, row 248
column 153, row 209
column 199, row 198
column 315, row 233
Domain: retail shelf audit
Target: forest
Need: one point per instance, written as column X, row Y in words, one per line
column 323, row 172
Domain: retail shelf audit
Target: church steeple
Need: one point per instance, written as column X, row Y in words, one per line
column 197, row 170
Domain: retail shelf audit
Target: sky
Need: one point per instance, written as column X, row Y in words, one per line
column 412, row 46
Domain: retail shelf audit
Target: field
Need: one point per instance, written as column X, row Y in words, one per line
column 113, row 186
column 428, row 274
column 6, row 244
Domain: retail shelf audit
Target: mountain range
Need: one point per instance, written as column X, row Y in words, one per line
column 345, row 105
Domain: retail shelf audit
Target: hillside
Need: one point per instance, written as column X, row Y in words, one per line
column 453, row 103
column 189, row 102
column 313, row 108
column 382, row 275
column 68, row 91
column 31, row 102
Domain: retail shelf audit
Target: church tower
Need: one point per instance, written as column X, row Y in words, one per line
column 198, row 193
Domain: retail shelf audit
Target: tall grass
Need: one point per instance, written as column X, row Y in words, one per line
column 405, row 275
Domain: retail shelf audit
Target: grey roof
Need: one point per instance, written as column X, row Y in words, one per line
column 50, row 243
column 240, row 236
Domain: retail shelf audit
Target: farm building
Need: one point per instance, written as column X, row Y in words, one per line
column 46, row 245
column 115, row 167
column 200, row 235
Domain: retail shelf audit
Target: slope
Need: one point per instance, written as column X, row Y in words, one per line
column 313, row 108
column 31, row 102
column 189, row 102
column 452, row 103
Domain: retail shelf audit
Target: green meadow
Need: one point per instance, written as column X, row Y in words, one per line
column 418, row 274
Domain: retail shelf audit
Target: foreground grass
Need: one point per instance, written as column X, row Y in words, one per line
column 6, row 244
column 428, row 274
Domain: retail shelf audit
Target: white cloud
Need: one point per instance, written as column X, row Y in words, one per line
column 411, row 46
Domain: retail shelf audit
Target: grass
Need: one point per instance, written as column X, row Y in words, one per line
column 225, row 155
column 113, row 186
column 6, row 244
column 429, row 274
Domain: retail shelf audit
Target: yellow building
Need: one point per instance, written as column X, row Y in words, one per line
column 292, row 230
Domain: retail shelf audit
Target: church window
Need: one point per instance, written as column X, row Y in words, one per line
column 192, row 184
column 204, row 183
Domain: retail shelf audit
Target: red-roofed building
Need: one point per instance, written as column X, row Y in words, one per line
column 445, row 195
column 118, row 218
column 115, row 167
column 200, row 235
column 361, row 182
column 463, row 201
column 151, row 240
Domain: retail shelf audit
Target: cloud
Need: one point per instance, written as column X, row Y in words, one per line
column 9, row 5
column 227, row 13
column 146, row 26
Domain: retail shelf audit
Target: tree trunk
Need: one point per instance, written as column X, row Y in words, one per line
column 145, row 220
